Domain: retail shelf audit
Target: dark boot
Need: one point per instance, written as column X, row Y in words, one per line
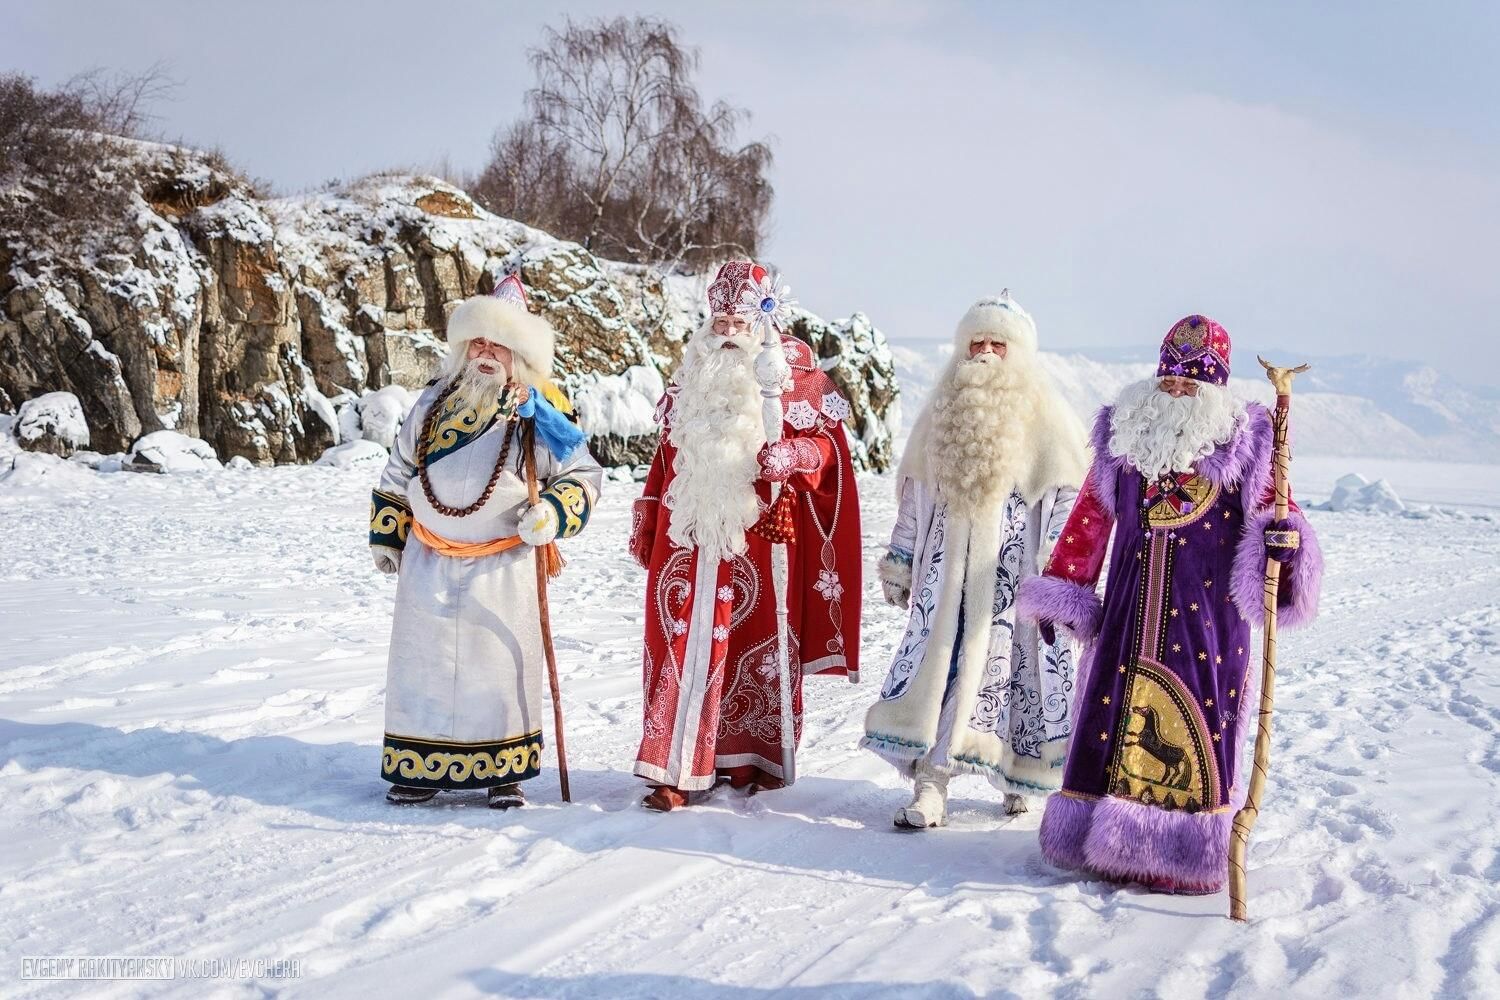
column 507, row 796
column 406, row 795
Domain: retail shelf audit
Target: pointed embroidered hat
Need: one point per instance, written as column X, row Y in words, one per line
column 1198, row 348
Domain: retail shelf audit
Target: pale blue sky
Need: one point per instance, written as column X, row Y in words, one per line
column 1318, row 177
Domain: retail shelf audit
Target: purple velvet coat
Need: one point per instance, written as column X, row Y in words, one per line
column 1166, row 688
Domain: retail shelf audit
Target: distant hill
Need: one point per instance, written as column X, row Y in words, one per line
column 1346, row 406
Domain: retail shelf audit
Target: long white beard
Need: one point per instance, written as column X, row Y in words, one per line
column 718, row 431
column 979, row 435
column 476, row 388
column 1159, row 434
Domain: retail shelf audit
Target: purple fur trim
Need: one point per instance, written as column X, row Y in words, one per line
column 1065, row 827
column 1062, row 602
column 1301, row 582
column 1244, row 460
column 1106, row 465
column 1130, row 840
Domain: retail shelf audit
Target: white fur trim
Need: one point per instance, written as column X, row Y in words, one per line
column 530, row 338
column 895, row 570
column 1001, row 316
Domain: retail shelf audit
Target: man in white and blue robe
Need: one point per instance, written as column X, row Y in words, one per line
column 985, row 484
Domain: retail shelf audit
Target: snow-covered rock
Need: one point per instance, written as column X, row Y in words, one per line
column 242, row 319
column 97, row 462
column 355, row 454
column 381, row 412
column 53, row 423
column 32, row 469
column 618, row 411
column 1356, row 493
column 239, row 463
column 169, row 451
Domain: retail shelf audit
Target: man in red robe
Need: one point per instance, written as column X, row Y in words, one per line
column 720, row 691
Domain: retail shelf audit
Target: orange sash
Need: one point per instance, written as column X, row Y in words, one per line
column 552, row 559
column 463, row 550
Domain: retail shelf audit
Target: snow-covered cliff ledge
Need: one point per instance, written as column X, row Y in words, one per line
column 259, row 324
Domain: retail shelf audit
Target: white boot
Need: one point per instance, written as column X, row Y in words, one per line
column 929, row 806
column 1014, row 804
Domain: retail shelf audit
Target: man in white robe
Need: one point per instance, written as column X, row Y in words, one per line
column 452, row 516
column 984, row 486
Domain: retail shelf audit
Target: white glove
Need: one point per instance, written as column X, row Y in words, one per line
column 538, row 525
column 895, row 594
column 387, row 559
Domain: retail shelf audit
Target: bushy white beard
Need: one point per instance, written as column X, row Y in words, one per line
column 979, row 430
column 717, row 429
column 476, row 388
column 1159, row 434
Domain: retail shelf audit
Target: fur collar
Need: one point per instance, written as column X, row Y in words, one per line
column 1243, row 461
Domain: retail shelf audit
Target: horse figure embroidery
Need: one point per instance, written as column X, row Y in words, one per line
column 1173, row 758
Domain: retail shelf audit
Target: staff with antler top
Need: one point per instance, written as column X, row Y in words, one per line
column 485, row 475
column 1281, row 538
column 1182, row 501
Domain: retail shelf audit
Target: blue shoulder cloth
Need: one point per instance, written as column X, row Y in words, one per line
column 561, row 436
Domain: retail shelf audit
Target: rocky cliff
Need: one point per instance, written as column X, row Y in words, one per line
column 257, row 323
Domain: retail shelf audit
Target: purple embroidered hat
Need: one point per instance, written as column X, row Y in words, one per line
column 1197, row 348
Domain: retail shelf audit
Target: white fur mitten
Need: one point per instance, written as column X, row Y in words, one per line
column 387, row 559
column 538, row 525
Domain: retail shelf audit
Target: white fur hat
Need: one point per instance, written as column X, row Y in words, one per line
column 503, row 318
column 1001, row 316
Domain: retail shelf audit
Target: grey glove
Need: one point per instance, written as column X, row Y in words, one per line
column 387, row 559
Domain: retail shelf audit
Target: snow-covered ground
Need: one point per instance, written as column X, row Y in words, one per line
column 190, row 709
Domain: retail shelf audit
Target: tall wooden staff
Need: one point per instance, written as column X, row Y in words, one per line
column 1239, row 840
column 542, row 556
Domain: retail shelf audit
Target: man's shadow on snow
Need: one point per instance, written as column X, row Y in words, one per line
column 831, row 828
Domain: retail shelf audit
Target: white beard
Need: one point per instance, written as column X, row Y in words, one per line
column 978, row 445
column 716, row 426
column 1159, row 434
column 476, row 388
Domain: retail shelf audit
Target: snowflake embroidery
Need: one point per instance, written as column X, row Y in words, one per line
column 779, row 457
column 801, row 414
column 721, row 633
column 679, row 627
column 726, row 593
column 835, row 407
column 828, row 585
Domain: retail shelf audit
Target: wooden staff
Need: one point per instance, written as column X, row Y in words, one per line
column 1239, row 840
column 541, row 557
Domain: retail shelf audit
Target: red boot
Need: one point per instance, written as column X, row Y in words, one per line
column 665, row 798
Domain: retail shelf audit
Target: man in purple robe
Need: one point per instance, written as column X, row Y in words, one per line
column 1182, row 478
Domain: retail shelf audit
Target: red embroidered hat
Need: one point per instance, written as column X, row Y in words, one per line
column 728, row 292
column 1197, row 348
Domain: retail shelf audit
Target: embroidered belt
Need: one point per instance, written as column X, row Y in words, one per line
column 462, row 550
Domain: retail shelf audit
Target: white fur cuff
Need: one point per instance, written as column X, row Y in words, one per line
column 895, row 569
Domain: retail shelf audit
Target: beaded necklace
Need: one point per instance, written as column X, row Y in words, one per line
column 422, row 444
